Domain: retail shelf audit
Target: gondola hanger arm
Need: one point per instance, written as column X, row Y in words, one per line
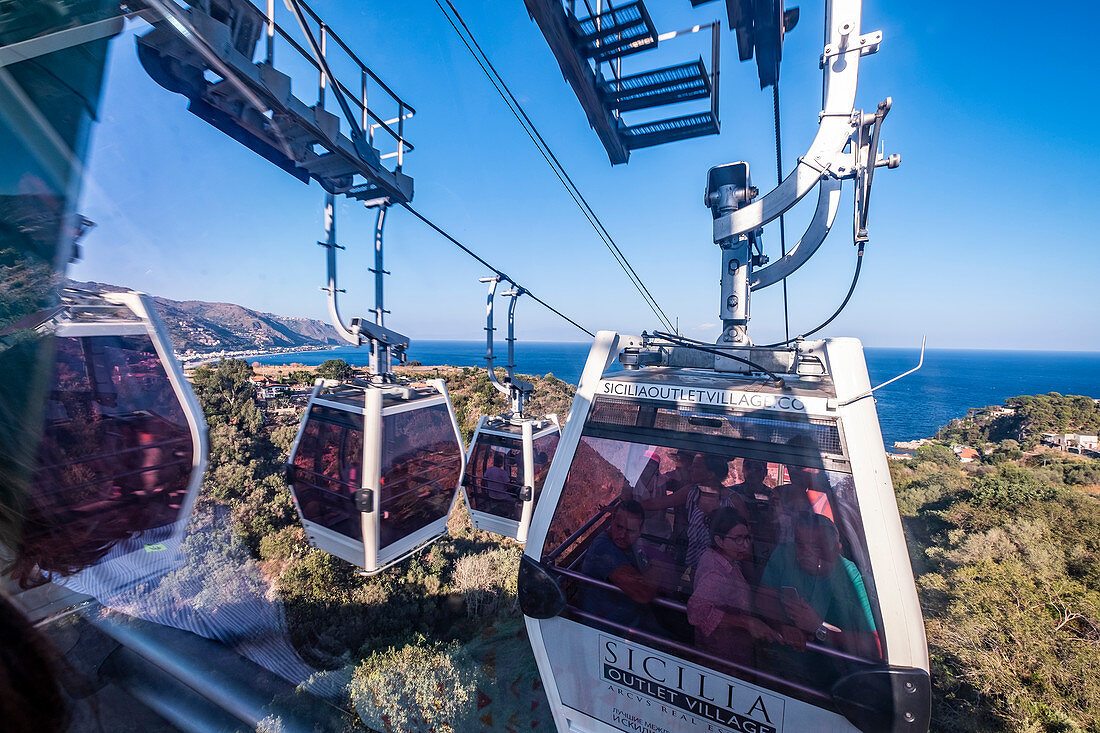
column 838, row 122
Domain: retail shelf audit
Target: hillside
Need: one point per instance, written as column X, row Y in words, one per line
column 1024, row 419
column 199, row 327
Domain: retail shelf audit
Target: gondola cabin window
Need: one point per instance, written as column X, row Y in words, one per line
column 494, row 478
column 115, row 458
column 328, row 470
column 421, row 463
column 545, row 447
column 730, row 540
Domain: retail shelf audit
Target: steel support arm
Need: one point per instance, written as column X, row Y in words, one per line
column 828, row 203
column 493, row 281
column 825, row 156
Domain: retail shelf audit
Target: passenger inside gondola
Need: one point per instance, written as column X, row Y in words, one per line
column 813, row 593
column 720, row 607
column 700, row 498
column 500, row 497
column 760, row 502
column 614, row 558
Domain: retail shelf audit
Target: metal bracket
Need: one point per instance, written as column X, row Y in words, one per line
column 516, row 390
column 868, row 44
column 828, row 203
column 834, row 128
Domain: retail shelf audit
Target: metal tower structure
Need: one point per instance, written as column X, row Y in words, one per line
column 590, row 51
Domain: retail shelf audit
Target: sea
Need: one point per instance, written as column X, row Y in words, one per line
column 950, row 382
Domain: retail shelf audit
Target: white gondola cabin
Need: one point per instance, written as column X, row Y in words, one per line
column 123, row 446
column 716, row 551
column 375, row 468
column 510, row 453
column 505, row 471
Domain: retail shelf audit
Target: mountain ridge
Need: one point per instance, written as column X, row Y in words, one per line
column 200, row 327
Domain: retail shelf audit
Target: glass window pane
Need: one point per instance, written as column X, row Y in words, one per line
column 545, row 448
column 752, row 430
column 421, row 460
column 328, row 470
column 494, row 476
column 754, row 567
column 115, row 458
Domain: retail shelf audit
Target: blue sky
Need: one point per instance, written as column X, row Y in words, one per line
column 983, row 238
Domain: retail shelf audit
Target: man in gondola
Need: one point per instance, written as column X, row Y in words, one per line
column 758, row 500
column 614, row 558
column 816, row 594
column 500, row 498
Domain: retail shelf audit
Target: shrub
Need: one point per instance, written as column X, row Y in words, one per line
column 423, row 686
column 488, row 580
column 1010, row 486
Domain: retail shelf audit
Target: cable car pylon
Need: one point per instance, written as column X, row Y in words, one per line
column 510, row 453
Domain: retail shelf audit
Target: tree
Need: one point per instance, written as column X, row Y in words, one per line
column 335, row 369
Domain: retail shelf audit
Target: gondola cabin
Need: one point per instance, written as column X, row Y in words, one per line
column 505, row 471
column 718, row 551
column 123, row 447
column 375, row 468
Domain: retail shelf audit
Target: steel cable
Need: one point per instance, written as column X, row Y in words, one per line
column 540, row 143
column 495, row 270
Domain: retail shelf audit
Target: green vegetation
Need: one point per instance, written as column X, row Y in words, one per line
column 335, row 369
column 1031, row 417
column 1005, row 553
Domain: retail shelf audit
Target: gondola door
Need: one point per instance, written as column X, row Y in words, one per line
column 505, row 471
column 414, row 465
column 774, row 594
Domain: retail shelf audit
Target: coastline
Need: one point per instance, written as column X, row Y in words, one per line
column 190, row 361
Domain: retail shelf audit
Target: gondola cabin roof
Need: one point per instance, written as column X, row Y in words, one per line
column 508, row 428
column 351, row 397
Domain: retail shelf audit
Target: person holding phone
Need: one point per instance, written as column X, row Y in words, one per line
column 815, row 594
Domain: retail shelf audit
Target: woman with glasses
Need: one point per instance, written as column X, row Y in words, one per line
column 721, row 604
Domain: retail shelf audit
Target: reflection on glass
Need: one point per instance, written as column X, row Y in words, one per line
column 328, row 470
column 545, row 447
column 115, row 457
column 753, row 566
column 494, row 477
column 421, row 462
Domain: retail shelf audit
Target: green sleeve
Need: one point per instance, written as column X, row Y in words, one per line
column 862, row 617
